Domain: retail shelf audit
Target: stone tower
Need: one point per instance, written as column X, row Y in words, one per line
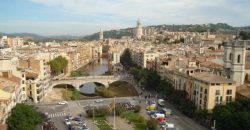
column 138, row 30
column 101, row 35
column 234, row 60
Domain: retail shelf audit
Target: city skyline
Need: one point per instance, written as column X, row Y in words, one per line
column 82, row 17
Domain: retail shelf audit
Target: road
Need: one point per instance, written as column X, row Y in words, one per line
column 180, row 121
column 59, row 112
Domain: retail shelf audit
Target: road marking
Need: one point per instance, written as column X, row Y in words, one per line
column 53, row 115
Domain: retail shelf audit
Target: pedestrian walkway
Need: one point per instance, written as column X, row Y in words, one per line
column 60, row 114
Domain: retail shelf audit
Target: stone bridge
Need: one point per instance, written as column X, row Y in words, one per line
column 76, row 82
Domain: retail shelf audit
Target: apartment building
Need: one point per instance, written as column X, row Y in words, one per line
column 209, row 90
column 37, row 75
column 10, row 94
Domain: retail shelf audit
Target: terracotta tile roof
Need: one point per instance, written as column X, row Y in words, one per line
column 244, row 90
column 211, row 78
column 31, row 74
column 210, row 64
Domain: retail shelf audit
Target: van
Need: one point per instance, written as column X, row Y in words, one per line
column 157, row 116
column 166, row 112
column 161, row 102
column 151, row 107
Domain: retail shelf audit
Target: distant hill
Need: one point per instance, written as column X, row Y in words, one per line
column 129, row 31
column 41, row 38
column 110, row 34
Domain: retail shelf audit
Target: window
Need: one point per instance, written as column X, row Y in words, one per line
column 229, row 83
column 217, row 92
column 22, row 81
column 205, row 91
column 22, row 75
column 23, row 88
column 217, row 99
column 229, row 92
column 201, row 89
column 238, row 59
column 218, row 84
column 228, row 98
column 212, row 84
column 230, row 56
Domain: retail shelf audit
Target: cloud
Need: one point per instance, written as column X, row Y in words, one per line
column 150, row 10
column 81, row 17
column 56, row 27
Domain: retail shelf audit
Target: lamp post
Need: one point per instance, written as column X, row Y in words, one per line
column 214, row 125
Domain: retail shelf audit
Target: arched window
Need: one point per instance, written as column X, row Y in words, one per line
column 238, row 59
column 230, row 56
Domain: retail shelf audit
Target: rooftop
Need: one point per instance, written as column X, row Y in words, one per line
column 211, row 78
column 244, row 90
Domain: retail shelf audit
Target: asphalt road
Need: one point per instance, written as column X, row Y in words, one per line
column 59, row 112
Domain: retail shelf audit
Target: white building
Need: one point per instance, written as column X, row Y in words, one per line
column 234, row 60
column 138, row 30
column 116, row 58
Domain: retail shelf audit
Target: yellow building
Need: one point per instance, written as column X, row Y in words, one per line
column 208, row 90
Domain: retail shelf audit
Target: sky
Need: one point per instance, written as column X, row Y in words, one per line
column 84, row 17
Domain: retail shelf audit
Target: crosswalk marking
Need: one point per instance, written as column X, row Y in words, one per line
column 53, row 115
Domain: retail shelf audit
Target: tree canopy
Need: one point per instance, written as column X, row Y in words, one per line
column 126, row 60
column 244, row 35
column 233, row 116
column 58, row 64
column 24, row 117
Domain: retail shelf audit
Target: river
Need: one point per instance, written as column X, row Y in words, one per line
column 94, row 69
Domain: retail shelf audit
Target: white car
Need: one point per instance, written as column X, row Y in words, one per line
column 63, row 102
column 67, row 122
column 98, row 100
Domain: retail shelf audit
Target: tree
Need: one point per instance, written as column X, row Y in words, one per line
column 24, row 117
column 137, row 108
column 126, row 60
column 244, row 35
column 58, row 64
column 233, row 116
column 152, row 124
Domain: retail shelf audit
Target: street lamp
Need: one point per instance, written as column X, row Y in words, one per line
column 213, row 127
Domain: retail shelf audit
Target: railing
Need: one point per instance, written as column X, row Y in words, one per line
column 95, row 77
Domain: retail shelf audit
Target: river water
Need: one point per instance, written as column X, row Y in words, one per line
column 94, row 69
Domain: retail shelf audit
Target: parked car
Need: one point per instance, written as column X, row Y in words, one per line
column 98, row 100
column 161, row 102
column 67, row 122
column 151, row 107
column 157, row 115
column 152, row 112
column 62, row 102
column 84, row 128
column 82, row 123
column 166, row 112
column 168, row 126
column 77, row 119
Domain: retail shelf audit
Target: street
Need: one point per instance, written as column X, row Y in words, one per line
column 58, row 113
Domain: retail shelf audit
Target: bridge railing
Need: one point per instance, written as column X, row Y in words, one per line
column 95, row 77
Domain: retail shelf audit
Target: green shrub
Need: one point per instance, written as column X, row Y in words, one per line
column 133, row 117
column 102, row 91
column 98, row 112
column 137, row 109
column 152, row 124
column 119, row 110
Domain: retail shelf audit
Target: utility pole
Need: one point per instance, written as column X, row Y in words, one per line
column 93, row 112
column 214, row 125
